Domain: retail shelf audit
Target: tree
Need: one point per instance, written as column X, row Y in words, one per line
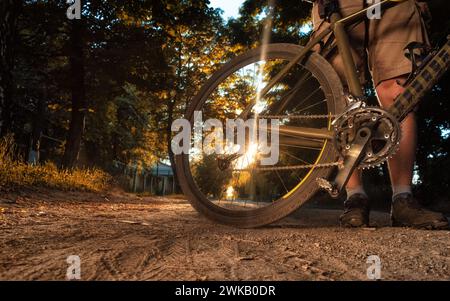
column 285, row 18
column 433, row 123
column 9, row 10
column 78, row 90
column 109, row 86
column 195, row 48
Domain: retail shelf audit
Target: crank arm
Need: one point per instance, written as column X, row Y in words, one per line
column 351, row 161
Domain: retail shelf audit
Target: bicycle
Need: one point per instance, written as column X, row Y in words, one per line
column 324, row 133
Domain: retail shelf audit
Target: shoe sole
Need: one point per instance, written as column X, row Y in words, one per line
column 437, row 225
column 354, row 227
column 349, row 225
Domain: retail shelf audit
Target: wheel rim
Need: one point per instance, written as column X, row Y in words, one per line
column 226, row 192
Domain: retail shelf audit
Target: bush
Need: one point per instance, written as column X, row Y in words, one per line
column 15, row 174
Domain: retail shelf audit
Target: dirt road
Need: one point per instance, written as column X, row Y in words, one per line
column 124, row 237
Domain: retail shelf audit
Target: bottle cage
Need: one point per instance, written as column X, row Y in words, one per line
column 417, row 53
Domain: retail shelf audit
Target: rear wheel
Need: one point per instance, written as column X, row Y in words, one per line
column 247, row 194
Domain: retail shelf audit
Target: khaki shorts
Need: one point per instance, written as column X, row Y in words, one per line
column 385, row 40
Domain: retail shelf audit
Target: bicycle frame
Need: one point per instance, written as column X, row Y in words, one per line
column 403, row 105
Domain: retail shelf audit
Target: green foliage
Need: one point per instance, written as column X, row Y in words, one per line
column 434, row 143
column 209, row 178
column 144, row 60
column 285, row 18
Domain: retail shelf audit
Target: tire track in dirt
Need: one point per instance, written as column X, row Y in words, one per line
column 165, row 239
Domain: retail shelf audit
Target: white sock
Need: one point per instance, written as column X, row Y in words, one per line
column 356, row 190
column 401, row 189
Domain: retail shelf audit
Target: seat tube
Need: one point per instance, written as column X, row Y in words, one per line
column 345, row 52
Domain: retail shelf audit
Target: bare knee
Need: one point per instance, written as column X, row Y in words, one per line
column 388, row 90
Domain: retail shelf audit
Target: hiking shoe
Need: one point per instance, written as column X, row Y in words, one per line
column 356, row 212
column 407, row 212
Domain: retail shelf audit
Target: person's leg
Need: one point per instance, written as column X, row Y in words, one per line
column 355, row 185
column 388, row 37
column 356, row 207
column 401, row 166
column 399, row 26
column 406, row 211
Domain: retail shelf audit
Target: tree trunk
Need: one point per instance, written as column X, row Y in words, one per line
column 79, row 104
column 9, row 10
column 36, row 133
column 170, row 118
column 170, row 112
column 38, row 126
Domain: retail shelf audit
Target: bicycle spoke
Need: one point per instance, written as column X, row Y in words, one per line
column 302, row 147
column 307, row 98
column 296, row 101
column 313, row 105
column 295, row 157
column 291, row 93
column 282, row 182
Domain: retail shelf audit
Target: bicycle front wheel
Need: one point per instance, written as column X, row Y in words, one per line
column 244, row 193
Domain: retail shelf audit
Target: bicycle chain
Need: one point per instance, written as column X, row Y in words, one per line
column 294, row 167
column 297, row 116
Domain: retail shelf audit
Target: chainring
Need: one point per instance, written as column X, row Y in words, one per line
column 386, row 134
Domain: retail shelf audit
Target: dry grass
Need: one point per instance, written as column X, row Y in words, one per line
column 15, row 174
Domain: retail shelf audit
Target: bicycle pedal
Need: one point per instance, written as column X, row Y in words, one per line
column 328, row 187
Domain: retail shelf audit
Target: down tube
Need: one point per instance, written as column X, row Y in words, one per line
column 422, row 83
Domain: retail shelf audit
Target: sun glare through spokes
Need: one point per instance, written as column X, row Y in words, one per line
column 230, row 192
column 249, row 157
column 259, row 105
column 260, row 84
